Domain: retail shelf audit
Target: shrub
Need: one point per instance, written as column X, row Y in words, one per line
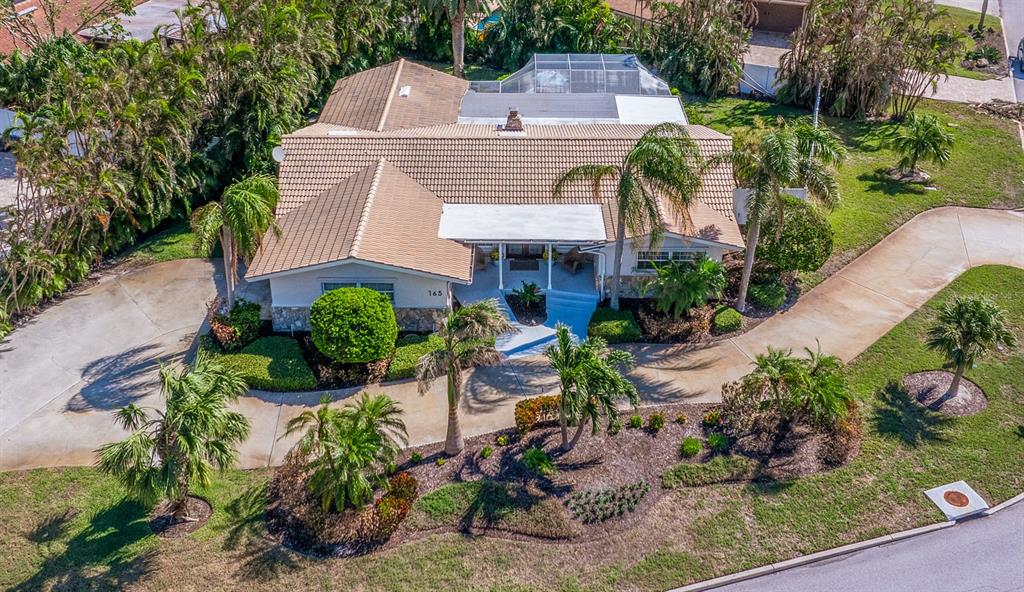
column 441, row 461
column 272, row 364
column 528, row 294
column 244, row 318
column 530, row 412
column 403, row 486
column 388, row 512
column 503, row 440
column 615, row 427
column 712, row 419
column 656, row 421
column 416, row 458
column 353, row 325
column 727, row 320
column 768, row 296
column 804, row 244
column 635, row 421
column 690, row 447
column 681, row 285
column 842, row 440
column 720, row 469
column 597, row 505
column 408, row 351
column 681, row 419
column 718, row 442
column 224, row 334
column 614, row 326
column 538, row 461
column 486, row 452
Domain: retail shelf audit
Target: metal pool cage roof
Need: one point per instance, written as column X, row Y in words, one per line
column 621, row 74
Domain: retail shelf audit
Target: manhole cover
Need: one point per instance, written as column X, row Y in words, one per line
column 955, row 498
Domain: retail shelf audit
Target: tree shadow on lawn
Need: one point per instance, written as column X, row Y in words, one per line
column 900, row 417
column 260, row 557
column 94, row 558
column 879, row 182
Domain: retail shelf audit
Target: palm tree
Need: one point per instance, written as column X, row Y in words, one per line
column 664, row 163
column 824, row 398
column 967, row 327
column 345, row 448
column 590, row 382
column 782, row 373
column 170, row 452
column 681, row 285
column 920, row 136
column 456, row 11
column 468, row 335
column 239, row 221
column 774, row 159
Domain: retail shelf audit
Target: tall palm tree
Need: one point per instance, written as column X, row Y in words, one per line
column 171, row 451
column 967, row 327
column 774, row 159
column 590, row 382
column 345, row 448
column 241, row 218
column 467, row 333
column 920, row 136
column 456, row 11
column 664, row 163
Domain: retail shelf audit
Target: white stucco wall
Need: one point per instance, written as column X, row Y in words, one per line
column 669, row 243
column 411, row 290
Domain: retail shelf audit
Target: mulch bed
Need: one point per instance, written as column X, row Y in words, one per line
column 165, row 525
column 532, row 315
column 929, row 389
column 333, row 375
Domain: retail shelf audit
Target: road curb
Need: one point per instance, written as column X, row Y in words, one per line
column 823, row 555
column 1013, row 500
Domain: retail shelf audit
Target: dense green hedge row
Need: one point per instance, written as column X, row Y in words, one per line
column 272, row 364
column 614, row 326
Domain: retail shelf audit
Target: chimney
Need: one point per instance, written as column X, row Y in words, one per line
column 513, row 123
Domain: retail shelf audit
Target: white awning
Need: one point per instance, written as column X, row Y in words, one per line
column 522, row 223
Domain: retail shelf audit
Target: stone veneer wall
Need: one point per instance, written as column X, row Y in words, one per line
column 633, row 286
column 421, row 320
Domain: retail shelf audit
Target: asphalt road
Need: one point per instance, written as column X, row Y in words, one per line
column 978, row 555
column 1012, row 12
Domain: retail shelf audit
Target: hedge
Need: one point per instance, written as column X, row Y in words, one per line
column 614, row 326
column 272, row 364
column 530, row 412
column 727, row 320
column 804, row 244
column 408, row 351
column 353, row 325
column 768, row 296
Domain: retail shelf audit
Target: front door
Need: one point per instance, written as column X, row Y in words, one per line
column 524, row 250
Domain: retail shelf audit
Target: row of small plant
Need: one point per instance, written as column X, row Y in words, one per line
column 598, row 505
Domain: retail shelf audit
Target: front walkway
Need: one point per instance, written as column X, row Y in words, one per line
column 847, row 312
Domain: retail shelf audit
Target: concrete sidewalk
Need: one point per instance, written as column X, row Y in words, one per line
column 847, row 313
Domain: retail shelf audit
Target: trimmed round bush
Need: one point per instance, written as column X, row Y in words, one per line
column 768, row 296
column 690, row 447
column 804, row 244
column 353, row 325
column 727, row 320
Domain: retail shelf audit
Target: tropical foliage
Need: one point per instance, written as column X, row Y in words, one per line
column 804, row 243
column 345, row 448
column 664, row 164
column 920, row 137
column 966, row 328
column 171, row 451
column 468, row 334
column 590, row 382
column 869, row 56
column 457, row 12
column 682, row 285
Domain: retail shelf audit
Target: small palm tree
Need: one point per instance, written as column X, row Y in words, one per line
column 171, row 451
column 681, row 285
column 239, row 221
column 468, row 334
column 967, row 327
column 590, row 382
column 824, row 397
column 781, row 372
column 774, row 159
column 345, row 448
column 664, row 162
column 920, row 136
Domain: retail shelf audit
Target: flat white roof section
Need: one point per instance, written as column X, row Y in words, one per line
column 522, row 223
column 649, row 110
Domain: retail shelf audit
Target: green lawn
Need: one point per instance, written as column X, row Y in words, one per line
column 71, row 528
column 174, row 242
column 964, row 18
column 986, row 170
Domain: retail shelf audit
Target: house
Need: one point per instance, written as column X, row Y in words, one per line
column 407, row 184
column 776, row 16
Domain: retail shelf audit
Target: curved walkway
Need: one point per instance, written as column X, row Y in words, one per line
column 847, row 313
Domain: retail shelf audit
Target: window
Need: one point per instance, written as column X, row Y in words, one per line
column 386, row 288
column 648, row 260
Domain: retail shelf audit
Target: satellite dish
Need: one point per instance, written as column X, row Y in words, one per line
column 278, row 154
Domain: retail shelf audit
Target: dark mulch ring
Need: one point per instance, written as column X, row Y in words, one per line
column 531, row 315
column 929, row 389
column 904, row 176
column 333, row 375
column 163, row 523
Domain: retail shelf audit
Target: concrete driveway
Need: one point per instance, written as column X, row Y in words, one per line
column 94, row 353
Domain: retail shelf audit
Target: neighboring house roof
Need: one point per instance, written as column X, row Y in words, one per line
column 379, row 215
column 148, row 16
column 642, row 8
column 401, row 94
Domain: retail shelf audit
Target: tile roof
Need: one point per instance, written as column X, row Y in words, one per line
column 69, row 19
column 642, row 8
column 372, row 99
column 377, row 214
